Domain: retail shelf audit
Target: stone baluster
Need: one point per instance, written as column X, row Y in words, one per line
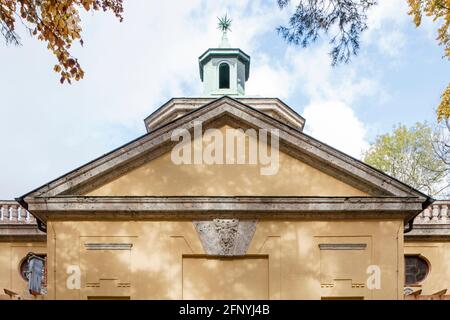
column 426, row 215
column 23, row 215
column 435, row 213
column 418, row 219
column 31, row 218
column 444, row 213
column 5, row 212
column 14, row 213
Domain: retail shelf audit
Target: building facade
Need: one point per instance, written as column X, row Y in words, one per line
column 225, row 197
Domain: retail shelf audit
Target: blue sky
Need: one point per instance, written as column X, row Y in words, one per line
column 133, row 67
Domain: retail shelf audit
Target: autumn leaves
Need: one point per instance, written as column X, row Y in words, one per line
column 55, row 22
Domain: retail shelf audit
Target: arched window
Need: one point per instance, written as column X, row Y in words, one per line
column 224, row 76
column 24, row 265
column 416, row 269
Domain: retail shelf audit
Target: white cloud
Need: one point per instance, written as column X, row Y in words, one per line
column 332, row 92
column 270, row 81
column 335, row 123
column 385, row 22
column 392, row 43
column 387, row 11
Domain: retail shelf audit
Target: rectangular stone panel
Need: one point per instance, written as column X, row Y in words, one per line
column 225, row 278
column 344, row 259
column 105, row 266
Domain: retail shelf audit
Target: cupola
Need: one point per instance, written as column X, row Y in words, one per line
column 224, row 70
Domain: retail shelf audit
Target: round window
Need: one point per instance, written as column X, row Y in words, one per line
column 416, row 270
column 23, row 266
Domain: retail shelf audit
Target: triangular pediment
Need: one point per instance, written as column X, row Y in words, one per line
column 307, row 167
column 280, row 175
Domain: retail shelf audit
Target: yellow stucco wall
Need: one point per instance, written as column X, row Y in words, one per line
column 161, row 177
column 11, row 255
column 438, row 255
column 166, row 261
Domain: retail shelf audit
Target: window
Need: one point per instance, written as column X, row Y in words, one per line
column 416, row 270
column 23, row 266
column 224, row 76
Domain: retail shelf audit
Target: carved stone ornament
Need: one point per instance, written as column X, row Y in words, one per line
column 225, row 237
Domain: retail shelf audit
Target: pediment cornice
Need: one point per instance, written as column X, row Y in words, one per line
column 86, row 208
column 177, row 107
column 292, row 141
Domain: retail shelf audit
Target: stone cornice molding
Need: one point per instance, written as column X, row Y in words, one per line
column 241, row 207
column 21, row 233
column 177, row 107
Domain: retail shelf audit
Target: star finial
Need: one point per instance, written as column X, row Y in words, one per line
column 224, row 25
